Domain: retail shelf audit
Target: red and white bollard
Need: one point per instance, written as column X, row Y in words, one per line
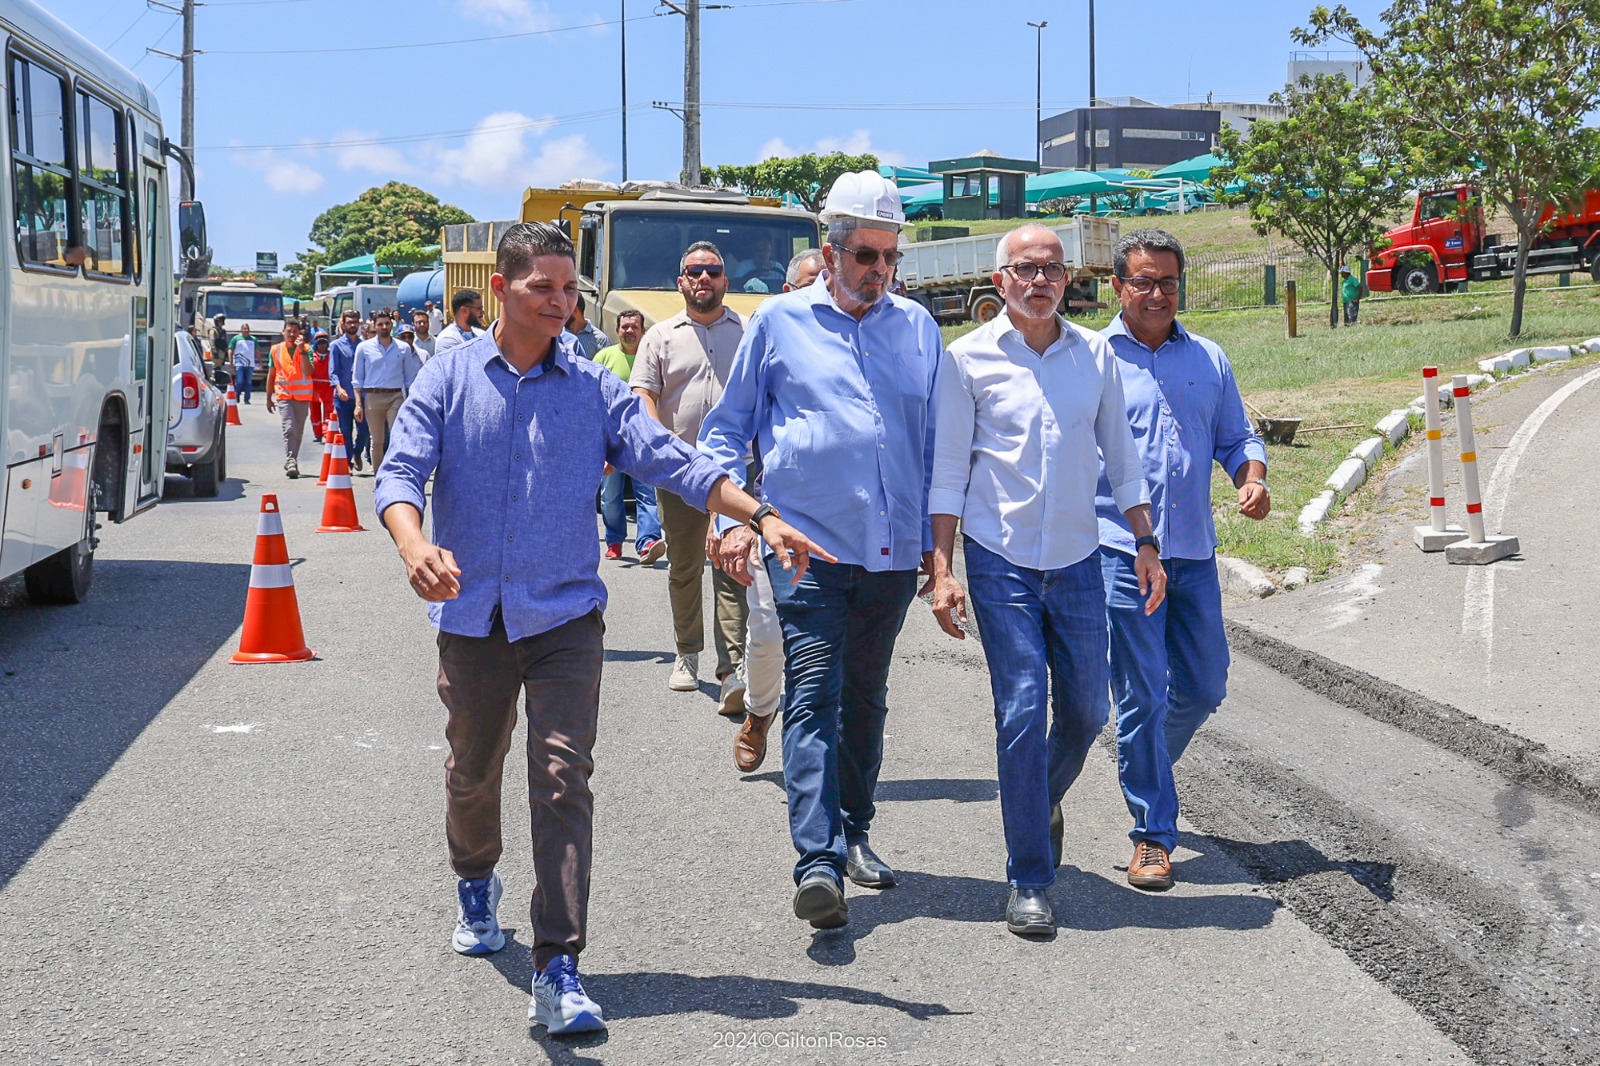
column 1478, row 548
column 1438, row 534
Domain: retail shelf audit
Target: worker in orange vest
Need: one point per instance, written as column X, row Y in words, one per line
column 289, row 383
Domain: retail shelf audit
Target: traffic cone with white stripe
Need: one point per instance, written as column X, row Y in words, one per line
column 233, row 408
column 328, row 430
column 339, row 505
column 272, row 632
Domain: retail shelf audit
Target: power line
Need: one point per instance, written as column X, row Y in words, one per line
column 127, row 31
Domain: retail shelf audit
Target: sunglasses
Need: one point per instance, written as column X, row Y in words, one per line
column 1053, row 271
column 698, row 271
column 868, row 256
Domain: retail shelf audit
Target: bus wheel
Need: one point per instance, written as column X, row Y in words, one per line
column 64, row 577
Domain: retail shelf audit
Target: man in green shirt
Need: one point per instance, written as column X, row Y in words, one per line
column 618, row 358
column 1350, row 290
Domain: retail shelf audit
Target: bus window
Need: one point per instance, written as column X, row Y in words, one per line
column 103, row 173
column 40, row 166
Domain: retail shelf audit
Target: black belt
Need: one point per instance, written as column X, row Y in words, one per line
column 380, row 390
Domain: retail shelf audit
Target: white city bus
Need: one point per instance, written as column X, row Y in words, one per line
column 86, row 300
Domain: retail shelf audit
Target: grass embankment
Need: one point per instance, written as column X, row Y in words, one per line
column 1354, row 376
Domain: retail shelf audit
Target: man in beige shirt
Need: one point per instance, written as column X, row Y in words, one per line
column 679, row 373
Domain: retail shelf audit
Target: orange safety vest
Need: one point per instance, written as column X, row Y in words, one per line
column 293, row 372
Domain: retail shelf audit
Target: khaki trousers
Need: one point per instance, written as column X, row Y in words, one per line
column 292, row 416
column 685, row 529
column 558, row 675
column 380, row 408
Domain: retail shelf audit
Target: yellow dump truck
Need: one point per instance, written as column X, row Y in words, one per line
column 630, row 240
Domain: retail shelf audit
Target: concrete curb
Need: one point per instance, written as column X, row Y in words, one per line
column 1243, row 579
column 1524, row 761
column 1393, row 429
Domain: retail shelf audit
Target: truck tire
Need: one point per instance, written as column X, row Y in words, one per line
column 1594, row 267
column 986, row 308
column 64, row 577
column 1416, row 279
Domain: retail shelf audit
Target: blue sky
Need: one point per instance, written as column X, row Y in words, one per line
column 302, row 104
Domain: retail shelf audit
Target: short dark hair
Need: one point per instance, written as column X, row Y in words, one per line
column 350, row 312
column 632, row 312
column 463, row 298
column 1144, row 240
column 581, row 305
column 525, row 242
column 697, row 246
column 382, row 312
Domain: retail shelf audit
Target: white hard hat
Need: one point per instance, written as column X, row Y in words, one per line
column 868, row 197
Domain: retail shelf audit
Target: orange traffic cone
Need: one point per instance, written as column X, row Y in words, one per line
column 233, row 408
column 69, row 489
column 339, row 505
column 272, row 632
column 328, row 431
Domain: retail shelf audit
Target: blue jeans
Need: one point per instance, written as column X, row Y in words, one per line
column 1044, row 636
column 839, row 627
column 244, row 379
column 615, row 515
column 1169, row 671
column 363, row 436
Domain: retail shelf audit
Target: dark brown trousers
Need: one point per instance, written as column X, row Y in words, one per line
column 558, row 674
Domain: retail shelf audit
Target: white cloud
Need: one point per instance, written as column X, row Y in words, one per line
column 519, row 16
column 383, row 159
column 859, row 142
column 776, row 148
column 283, row 174
column 505, row 151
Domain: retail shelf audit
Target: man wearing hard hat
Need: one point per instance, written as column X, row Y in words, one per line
column 835, row 381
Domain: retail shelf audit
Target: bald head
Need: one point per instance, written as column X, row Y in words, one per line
column 1025, row 234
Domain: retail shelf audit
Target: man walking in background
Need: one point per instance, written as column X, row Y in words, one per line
column 321, row 384
column 1026, row 401
column 836, row 382
column 467, row 308
column 341, row 370
column 682, row 365
column 1350, row 292
column 384, row 371
column 244, row 363
column 424, row 343
column 590, row 338
column 1169, row 669
column 803, row 269
column 618, row 358
column 289, row 388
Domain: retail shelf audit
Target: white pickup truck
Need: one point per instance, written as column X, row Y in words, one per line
column 954, row 278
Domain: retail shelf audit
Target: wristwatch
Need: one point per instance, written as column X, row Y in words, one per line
column 1262, row 482
column 763, row 512
column 1151, row 540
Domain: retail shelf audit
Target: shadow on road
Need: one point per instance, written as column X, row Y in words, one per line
column 79, row 684
column 179, row 489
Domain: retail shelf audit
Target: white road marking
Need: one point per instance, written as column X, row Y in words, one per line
column 1477, row 608
column 1354, row 591
column 242, row 727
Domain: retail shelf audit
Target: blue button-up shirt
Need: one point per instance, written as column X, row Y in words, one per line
column 1185, row 410
column 844, row 412
column 518, row 458
column 342, row 361
column 380, row 366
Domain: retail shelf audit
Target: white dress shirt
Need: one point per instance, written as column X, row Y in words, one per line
column 1018, row 438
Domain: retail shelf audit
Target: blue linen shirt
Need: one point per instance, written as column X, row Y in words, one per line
column 843, row 410
column 342, row 362
column 1185, row 410
column 516, row 460
column 379, row 367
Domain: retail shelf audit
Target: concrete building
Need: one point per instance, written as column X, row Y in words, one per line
column 1310, row 64
column 1239, row 116
column 1128, row 132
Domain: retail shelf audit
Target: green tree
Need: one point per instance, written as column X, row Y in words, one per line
column 1326, row 176
column 1495, row 88
column 805, row 177
column 391, row 214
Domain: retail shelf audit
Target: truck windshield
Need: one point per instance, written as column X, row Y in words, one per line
column 756, row 249
column 256, row 306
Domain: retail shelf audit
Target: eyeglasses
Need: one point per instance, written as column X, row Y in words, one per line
column 1145, row 286
column 868, row 256
column 697, row 270
column 1053, row 271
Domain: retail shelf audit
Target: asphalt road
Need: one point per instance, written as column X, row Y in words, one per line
column 203, row 863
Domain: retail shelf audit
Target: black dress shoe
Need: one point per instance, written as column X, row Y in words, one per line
column 1028, row 913
column 865, row 868
column 819, row 899
column 1058, row 829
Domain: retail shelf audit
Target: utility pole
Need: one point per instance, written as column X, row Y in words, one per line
column 1038, row 93
column 1092, row 134
column 186, row 58
column 690, row 10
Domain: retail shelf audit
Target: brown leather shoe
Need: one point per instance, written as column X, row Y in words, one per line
column 750, row 746
column 1151, row 867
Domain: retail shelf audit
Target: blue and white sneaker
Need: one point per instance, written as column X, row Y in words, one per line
column 559, row 1002
column 478, row 924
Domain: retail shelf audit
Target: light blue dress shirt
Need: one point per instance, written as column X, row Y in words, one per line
column 844, row 412
column 1185, row 410
column 518, row 458
column 378, row 367
column 1016, row 454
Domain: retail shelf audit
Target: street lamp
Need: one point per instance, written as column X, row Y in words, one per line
column 1038, row 95
column 1092, row 134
